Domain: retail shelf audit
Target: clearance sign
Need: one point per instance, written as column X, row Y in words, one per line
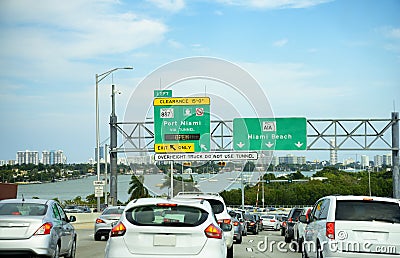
column 181, row 124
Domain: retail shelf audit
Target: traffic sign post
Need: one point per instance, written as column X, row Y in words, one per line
column 181, row 125
column 270, row 133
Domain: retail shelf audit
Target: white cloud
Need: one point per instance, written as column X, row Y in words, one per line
column 169, row 5
column 54, row 36
column 275, row 4
column 280, row 43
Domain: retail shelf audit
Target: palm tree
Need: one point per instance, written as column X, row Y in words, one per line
column 137, row 189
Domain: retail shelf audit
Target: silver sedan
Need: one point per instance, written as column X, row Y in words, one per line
column 35, row 227
column 105, row 221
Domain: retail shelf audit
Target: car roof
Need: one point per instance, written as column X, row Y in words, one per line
column 39, row 201
column 362, row 197
column 215, row 196
column 188, row 202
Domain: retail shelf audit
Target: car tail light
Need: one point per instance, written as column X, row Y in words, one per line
column 45, row 229
column 236, row 223
column 99, row 221
column 118, row 230
column 330, row 230
column 252, row 223
column 272, row 220
column 290, row 220
column 225, row 221
column 284, row 224
column 213, row 231
column 167, row 204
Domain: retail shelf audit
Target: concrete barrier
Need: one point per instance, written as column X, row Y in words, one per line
column 84, row 217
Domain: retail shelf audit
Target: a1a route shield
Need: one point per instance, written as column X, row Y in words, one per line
column 181, row 124
column 270, row 133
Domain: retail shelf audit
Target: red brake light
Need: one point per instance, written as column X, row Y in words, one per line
column 235, row 223
column 98, row 221
column 45, row 229
column 213, row 231
column 330, row 230
column 272, row 220
column 118, row 230
column 290, row 220
column 284, row 224
column 167, row 204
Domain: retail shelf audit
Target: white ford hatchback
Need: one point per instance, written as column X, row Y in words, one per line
column 156, row 227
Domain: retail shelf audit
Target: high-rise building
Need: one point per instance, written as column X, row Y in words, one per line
column 378, row 161
column 333, row 152
column 387, row 159
column 53, row 157
column 364, row 161
column 27, row 157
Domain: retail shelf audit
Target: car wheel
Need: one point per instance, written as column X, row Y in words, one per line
column 72, row 251
column 97, row 237
column 319, row 251
column 229, row 253
column 282, row 232
column 300, row 245
column 239, row 240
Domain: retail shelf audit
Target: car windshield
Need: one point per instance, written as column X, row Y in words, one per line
column 166, row 215
column 113, row 211
column 23, row 209
column 368, row 211
column 248, row 217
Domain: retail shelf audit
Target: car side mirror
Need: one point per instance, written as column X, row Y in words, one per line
column 303, row 219
column 72, row 219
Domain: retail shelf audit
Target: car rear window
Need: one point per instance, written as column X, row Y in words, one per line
column 23, row 209
column 113, row 211
column 158, row 215
column 368, row 211
column 296, row 213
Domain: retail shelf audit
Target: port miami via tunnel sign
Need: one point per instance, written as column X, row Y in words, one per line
column 181, row 125
column 270, row 133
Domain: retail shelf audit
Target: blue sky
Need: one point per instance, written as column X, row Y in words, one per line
column 313, row 58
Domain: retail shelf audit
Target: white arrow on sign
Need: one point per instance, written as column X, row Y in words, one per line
column 240, row 144
column 203, row 146
column 298, row 144
column 269, row 144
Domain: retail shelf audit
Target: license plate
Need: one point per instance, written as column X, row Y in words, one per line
column 164, row 240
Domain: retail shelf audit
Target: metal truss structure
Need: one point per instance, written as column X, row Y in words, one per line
column 347, row 134
column 322, row 134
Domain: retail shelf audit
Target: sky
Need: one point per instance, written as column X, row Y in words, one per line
column 328, row 59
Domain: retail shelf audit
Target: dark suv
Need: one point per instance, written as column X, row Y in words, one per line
column 292, row 219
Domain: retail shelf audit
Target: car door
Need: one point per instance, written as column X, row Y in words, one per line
column 66, row 230
column 315, row 230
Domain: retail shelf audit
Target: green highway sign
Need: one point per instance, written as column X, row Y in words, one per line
column 162, row 93
column 181, row 124
column 270, row 133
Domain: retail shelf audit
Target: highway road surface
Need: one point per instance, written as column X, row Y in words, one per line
column 253, row 246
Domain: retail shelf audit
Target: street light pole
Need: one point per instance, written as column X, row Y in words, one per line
column 99, row 78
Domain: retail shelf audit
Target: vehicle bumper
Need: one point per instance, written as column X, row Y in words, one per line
column 116, row 248
column 38, row 245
